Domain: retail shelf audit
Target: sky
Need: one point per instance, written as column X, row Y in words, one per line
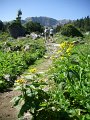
column 57, row 9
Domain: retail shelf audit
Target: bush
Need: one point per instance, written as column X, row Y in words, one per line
column 71, row 75
column 1, row 25
column 16, row 30
column 33, row 27
column 14, row 62
column 70, row 30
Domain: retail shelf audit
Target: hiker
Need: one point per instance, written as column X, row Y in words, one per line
column 51, row 32
column 46, row 33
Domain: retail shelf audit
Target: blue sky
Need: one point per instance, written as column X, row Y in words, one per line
column 58, row 9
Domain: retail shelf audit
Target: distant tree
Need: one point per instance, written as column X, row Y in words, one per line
column 70, row 30
column 15, row 28
column 33, row 27
column 18, row 18
column 1, row 25
column 83, row 24
column 58, row 28
column 87, row 23
column 6, row 25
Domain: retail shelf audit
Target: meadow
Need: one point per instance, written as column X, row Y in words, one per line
column 65, row 95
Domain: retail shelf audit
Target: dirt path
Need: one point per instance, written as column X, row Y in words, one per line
column 7, row 111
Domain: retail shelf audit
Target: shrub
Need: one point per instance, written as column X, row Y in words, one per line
column 70, row 30
column 16, row 30
column 1, row 25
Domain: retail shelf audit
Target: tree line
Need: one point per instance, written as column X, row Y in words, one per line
column 83, row 24
column 16, row 29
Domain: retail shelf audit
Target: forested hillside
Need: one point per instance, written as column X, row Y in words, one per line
column 83, row 24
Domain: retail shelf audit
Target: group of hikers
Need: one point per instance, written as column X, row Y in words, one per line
column 48, row 33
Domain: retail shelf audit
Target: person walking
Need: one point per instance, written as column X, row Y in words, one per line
column 51, row 34
column 46, row 33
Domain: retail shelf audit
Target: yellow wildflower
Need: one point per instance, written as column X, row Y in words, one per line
column 68, row 50
column 42, row 80
column 69, row 53
column 59, row 51
column 63, row 45
column 71, row 45
column 20, row 81
column 62, row 57
column 33, row 70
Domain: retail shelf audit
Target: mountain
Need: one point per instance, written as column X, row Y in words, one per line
column 46, row 21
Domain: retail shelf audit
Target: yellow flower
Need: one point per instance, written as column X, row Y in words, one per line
column 71, row 45
column 59, row 51
column 69, row 53
column 33, row 70
column 20, row 81
column 41, row 80
column 68, row 50
column 62, row 57
column 62, row 45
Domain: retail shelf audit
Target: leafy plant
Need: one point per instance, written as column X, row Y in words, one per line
column 70, row 30
column 33, row 97
column 71, row 76
column 14, row 62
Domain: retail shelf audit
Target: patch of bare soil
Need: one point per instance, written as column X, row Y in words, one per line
column 7, row 111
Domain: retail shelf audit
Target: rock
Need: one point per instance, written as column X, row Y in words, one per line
column 27, row 36
column 27, row 47
column 21, row 38
column 76, row 42
column 7, row 77
column 46, row 57
column 34, row 36
column 27, row 116
column 28, row 77
column 87, row 33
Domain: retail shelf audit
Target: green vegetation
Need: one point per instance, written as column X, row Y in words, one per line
column 14, row 58
column 69, row 30
column 66, row 93
column 1, row 25
column 15, row 28
column 33, row 27
column 71, row 75
column 83, row 24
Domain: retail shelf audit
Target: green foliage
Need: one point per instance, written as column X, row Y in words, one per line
column 16, row 29
column 1, row 25
column 18, row 18
column 4, row 36
column 3, row 84
column 68, row 94
column 14, row 62
column 69, row 30
column 58, row 28
column 71, row 75
column 6, row 25
column 33, row 27
column 32, row 95
column 83, row 24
